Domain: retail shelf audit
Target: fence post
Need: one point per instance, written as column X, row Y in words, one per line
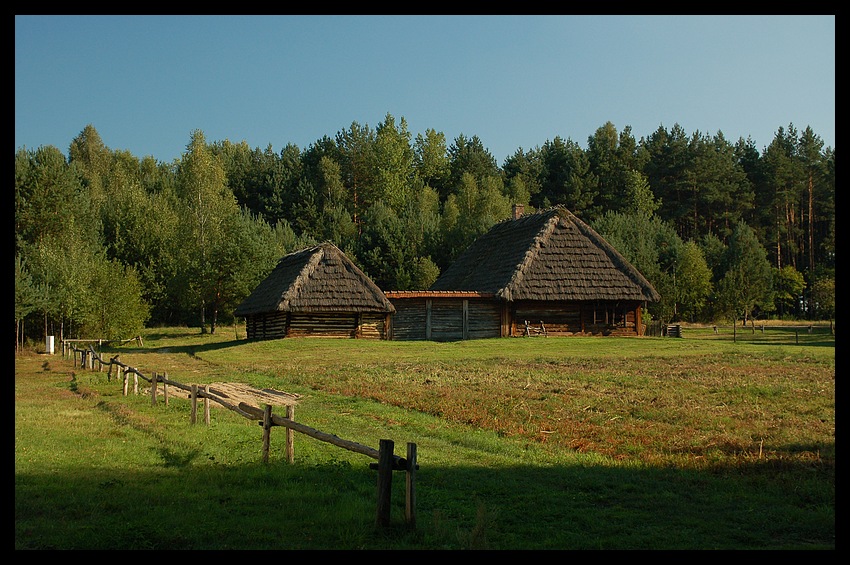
column 290, row 435
column 122, row 374
column 267, row 431
column 165, row 388
column 207, row 404
column 135, row 382
column 410, row 498
column 194, row 413
column 385, row 482
column 153, row 389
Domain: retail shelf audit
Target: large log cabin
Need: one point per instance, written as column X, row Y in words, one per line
column 546, row 273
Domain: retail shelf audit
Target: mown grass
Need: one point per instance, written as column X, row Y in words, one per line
column 558, row 443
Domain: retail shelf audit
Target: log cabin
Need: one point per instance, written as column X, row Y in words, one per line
column 316, row 292
column 546, row 273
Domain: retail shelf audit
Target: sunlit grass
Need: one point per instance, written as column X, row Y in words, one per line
column 568, row 443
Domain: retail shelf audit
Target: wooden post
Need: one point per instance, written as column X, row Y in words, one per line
column 410, row 498
column 267, row 431
column 135, row 382
column 194, row 397
column 153, row 389
column 165, row 388
column 207, row 404
column 385, row 482
column 123, row 376
column 290, row 435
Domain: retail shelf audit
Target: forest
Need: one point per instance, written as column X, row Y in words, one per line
column 107, row 243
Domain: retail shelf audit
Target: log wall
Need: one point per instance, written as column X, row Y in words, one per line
column 337, row 325
column 445, row 319
column 583, row 318
column 440, row 318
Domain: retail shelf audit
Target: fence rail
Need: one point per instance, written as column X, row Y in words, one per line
column 387, row 460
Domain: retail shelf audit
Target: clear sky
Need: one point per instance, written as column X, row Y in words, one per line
column 147, row 82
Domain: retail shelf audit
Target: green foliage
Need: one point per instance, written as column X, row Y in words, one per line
column 653, row 248
column 383, row 248
column 639, row 196
column 208, row 210
column 425, row 273
column 693, row 283
column 393, row 163
column 788, row 286
column 173, row 223
column 431, row 160
column 823, row 296
column 26, row 293
column 112, row 306
column 48, row 195
column 748, row 280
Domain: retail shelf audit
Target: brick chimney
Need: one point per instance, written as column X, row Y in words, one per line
column 518, row 211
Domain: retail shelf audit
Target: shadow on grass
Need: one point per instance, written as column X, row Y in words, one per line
column 772, row 335
column 191, row 350
column 184, row 502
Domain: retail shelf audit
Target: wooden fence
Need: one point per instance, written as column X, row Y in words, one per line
column 387, row 460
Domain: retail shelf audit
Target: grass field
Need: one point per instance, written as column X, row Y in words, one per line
column 711, row 441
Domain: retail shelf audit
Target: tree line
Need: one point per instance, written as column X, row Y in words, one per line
column 107, row 242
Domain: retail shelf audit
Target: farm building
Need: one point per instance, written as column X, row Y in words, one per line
column 546, row 273
column 320, row 292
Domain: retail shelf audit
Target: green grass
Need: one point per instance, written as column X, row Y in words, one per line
column 560, row 443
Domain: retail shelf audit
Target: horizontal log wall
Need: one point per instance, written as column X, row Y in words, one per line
column 447, row 319
column 453, row 319
column 570, row 318
column 560, row 318
column 373, row 326
column 408, row 322
column 484, row 319
column 322, row 325
column 338, row 325
column 266, row 326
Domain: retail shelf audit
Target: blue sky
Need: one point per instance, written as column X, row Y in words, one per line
column 147, row 82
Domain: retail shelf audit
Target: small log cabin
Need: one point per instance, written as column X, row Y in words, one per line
column 546, row 273
column 316, row 292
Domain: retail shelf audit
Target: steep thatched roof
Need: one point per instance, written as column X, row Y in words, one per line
column 550, row 255
column 316, row 279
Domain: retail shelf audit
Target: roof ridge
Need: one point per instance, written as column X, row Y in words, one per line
column 316, row 253
column 530, row 254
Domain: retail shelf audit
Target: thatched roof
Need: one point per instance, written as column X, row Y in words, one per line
column 550, row 255
column 316, row 279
